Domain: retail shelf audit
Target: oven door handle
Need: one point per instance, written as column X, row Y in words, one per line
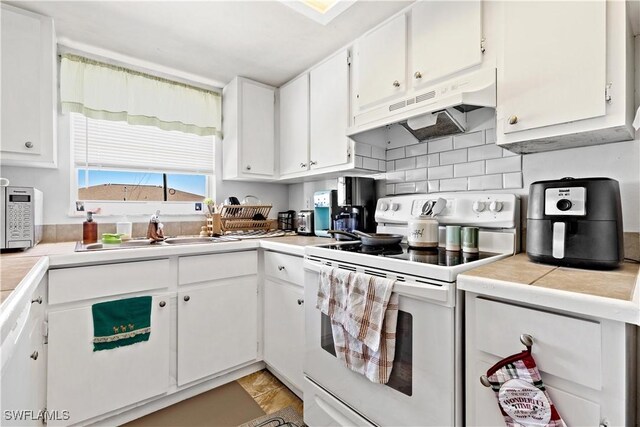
column 440, row 293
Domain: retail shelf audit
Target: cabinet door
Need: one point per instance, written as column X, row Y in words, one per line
column 294, row 126
column 284, row 329
column 217, row 328
column 329, row 105
column 88, row 383
column 445, row 38
column 381, row 64
column 554, row 63
column 29, row 89
column 257, row 140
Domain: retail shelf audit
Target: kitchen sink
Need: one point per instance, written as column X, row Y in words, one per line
column 196, row 240
column 139, row 243
column 103, row 247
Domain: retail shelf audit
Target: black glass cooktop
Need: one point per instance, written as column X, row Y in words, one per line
column 435, row 256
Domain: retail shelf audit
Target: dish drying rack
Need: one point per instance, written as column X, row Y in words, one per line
column 240, row 218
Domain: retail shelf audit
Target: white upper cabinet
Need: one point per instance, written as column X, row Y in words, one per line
column 248, row 145
column 29, row 89
column 329, row 103
column 294, row 126
column 380, row 58
column 564, row 75
column 446, row 37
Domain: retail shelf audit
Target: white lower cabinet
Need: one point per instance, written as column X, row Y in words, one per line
column 217, row 328
column 585, row 364
column 284, row 316
column 88, row 384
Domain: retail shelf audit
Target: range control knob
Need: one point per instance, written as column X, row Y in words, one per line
column 495, row 206
column 478, row 206
column 564, row 204
column 383, row 206
column 394, row 206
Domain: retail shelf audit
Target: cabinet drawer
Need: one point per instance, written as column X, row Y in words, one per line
column 566, row 347
column 284, row 267
column 204, row 268
column 81, row 283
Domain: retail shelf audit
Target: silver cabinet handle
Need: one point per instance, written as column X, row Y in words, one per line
column 303, row 165
column 281, row 267
column 417, row 75
column 396, row 83
column 313, row 163
column 186, row 298
column 34, row 355
column 248, row 167
column 38, row 300
column 513, row 120
column 526, row 340
column 485, row 381
column 28, row 144
column 162, row 304
column 300, row 301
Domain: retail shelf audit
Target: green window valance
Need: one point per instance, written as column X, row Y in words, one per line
column 107, row 92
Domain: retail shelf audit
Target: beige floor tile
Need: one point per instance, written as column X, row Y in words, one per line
column 259, row 383
column 274, row 400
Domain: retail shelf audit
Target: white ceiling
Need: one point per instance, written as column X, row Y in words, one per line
column 217, row 40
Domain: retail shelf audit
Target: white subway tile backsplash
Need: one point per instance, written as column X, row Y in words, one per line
column 507, row 153
column 391, row 166
column 433, row 186
column 421, row 162
column 433, row 160
column 467, row 140
column 382, row 167
column 512, row 180
column 390, row 188
column 438, row 145
column 490, row 136
column 422, row 187
column 393, row 177
column 406, row 187
column 363, row 149
column 395, row 153
column 456, row 184
column 506, row 164
column 408, row 163
column 416, row 150
column 358, row 162
column 440, row 172
column 378, row 153
column 485, row 182
column 369, row 163
column 468, row 169
column 451, row 157
column 485, row 152
column 416, row 174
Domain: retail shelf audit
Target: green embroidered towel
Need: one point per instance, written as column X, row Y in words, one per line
column 121, row 322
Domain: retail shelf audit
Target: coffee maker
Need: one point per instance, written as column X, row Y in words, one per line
column 356, row 204
column 325, row 206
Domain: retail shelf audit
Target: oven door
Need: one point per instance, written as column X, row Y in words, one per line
column 422, row 387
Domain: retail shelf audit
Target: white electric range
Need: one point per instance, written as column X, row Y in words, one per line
column 425, row 387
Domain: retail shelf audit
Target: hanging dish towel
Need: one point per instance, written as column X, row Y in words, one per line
column 522, row 397
column 121, row 322
column 364, row 314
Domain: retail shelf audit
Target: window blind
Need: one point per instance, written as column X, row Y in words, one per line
column 119, row 145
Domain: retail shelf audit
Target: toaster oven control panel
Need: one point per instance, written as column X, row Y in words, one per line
column 570, row 201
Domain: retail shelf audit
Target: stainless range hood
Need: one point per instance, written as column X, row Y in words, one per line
column 435, row 111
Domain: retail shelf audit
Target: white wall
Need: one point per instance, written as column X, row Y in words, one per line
column 55, row 184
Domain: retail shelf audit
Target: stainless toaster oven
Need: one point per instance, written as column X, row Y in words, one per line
column 22, row 215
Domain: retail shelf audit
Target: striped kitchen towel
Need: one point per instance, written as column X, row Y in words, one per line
column 364, row 313
column 522, row 396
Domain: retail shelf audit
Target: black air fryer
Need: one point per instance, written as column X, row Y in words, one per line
column 575, row 222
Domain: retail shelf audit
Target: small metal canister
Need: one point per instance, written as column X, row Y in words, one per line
column 453, row 238
column 469, row 237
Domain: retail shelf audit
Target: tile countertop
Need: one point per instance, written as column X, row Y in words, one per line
column 608, row 294
column 15, row 266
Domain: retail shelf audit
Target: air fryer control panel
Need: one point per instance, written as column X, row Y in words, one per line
column 567, row 201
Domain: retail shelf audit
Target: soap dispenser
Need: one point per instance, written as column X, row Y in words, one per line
column 89, row 229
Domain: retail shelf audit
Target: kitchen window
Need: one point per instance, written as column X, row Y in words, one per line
column 135, row 169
